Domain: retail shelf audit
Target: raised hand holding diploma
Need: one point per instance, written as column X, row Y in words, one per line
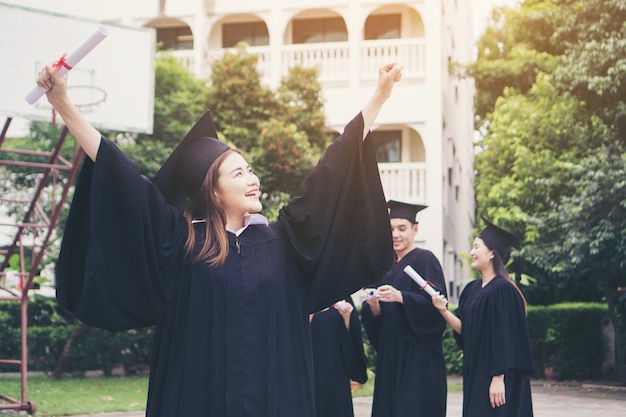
column 69, row 61
column 420, row 281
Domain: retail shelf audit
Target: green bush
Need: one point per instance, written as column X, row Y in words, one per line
column 568, row 338
column 565, row 337
column 49, row 328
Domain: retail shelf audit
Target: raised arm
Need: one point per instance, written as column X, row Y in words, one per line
column 387, row 76
column 86, row 135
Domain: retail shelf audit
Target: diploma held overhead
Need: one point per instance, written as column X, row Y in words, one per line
column 419, row 280
column 67, row 62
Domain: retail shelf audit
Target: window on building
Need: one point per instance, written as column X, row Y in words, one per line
column 331, row 29
column 382, row 26
column 177, row 38
column 252, row 33
column 387, row 145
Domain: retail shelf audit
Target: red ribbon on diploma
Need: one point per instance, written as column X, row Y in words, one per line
column 61, row 63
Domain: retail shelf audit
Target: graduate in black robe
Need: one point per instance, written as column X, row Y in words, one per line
column 231, row 311
column 338, row 358
column 491, row 327
column 405, row 329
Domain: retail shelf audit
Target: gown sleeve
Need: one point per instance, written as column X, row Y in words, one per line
column 508, row 337
column 338, row 228
column 424, row 323
column 371, row 324
column 352, row 350
column 120, row 243
column 458, row 338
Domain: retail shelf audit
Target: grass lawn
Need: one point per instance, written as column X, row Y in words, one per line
column 71, row 396
column 93, row 395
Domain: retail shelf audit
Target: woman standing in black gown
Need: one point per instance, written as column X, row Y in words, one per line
column 490, row 326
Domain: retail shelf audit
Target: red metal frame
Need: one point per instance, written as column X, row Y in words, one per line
column 39, row 223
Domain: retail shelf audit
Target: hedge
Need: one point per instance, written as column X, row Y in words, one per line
column 48, row 331
column 565, row 337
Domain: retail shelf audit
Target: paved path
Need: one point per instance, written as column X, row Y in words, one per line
column 549, row 400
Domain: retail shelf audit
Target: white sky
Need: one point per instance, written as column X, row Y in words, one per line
column 482, row 10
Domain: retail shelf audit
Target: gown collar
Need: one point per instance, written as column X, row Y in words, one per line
column 248, row 219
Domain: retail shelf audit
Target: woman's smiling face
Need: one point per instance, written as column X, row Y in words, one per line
column 481, row 255
column 237, row 186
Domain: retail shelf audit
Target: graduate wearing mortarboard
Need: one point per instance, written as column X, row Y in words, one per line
column 490, row 326
column 230, row 295
column 405, row 329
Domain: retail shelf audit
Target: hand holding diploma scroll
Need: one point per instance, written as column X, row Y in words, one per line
column 420, row 281
column 67, row 62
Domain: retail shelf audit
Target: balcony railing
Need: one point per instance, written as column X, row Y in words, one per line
column 332, row 59
column 404, row 181
column 409, row 52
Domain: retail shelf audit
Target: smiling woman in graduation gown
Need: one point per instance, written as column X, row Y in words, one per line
column 490, row 326
column 232, row 340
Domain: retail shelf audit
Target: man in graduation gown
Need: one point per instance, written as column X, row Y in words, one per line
column 231, row 340
column 338, row 358
column 405, row 328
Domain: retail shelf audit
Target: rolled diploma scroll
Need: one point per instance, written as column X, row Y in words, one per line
column 70, row 61
column 419, row 280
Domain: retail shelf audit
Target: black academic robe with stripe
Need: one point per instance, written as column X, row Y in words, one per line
column 232, row 340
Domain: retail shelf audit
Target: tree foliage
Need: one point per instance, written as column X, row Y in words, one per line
column 239, row 101
column 179, row 99
column 551, row 161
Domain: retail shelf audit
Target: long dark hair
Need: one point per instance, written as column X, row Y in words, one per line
column 205, row 205
column 499, row 269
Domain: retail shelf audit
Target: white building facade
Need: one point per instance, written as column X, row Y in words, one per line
column 423, row 135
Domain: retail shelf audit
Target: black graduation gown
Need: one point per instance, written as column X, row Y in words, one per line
column 410, row 366
column 338, row 357
column 495, row 340
column 232, row 340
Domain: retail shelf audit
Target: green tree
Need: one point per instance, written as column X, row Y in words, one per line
column 239, row 101
column 179, row 100
column 515, row 47
column 300, row 98
column 593, row 66
column 524, row 168
column 551, row 161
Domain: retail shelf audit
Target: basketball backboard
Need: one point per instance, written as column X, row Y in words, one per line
column 113, row 85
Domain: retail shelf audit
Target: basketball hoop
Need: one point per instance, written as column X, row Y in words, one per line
column 84, row 97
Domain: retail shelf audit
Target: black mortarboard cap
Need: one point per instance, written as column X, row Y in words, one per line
column 400, row 210
column 184, row 170
column 499, row 239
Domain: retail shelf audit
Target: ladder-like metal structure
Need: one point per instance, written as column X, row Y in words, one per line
column 36, row 225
